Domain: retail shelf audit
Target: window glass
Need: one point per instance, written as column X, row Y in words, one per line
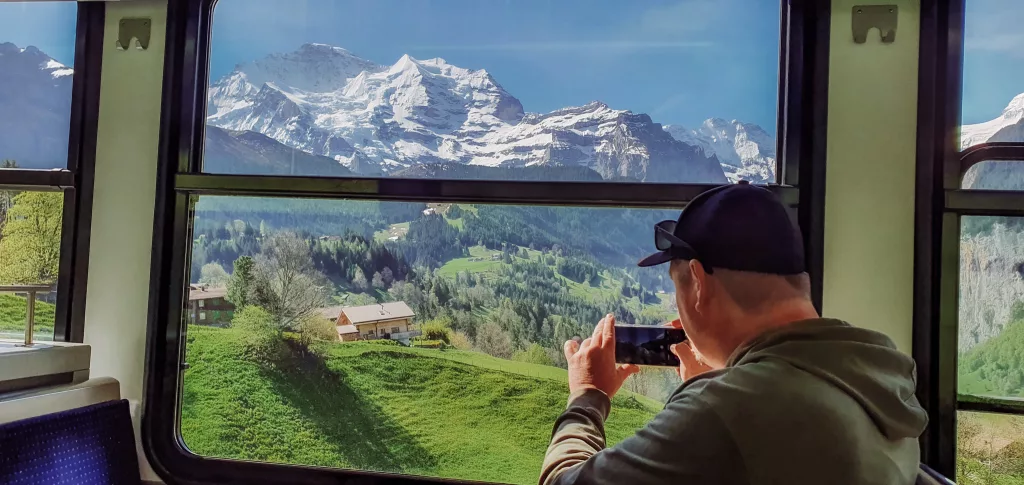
column 37, row 50
column 990, row 449
column 991, row 332
column 491, row 293
column 30, row 228
column 993, row 91
column 995, row 175
column 663, row 91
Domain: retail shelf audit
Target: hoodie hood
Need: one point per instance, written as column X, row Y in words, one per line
column 862, row 363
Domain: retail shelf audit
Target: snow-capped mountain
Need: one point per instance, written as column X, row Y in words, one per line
column 250, row 153
column 35, row 107
column 383, row 119
column 1009, row 126
column 35, row 112
column 746, row 150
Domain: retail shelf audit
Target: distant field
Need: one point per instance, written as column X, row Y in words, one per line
column 479, row 261
column 395, row 230
column 457, row 223
column 451, row 414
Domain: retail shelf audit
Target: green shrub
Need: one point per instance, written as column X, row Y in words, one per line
column 534, row 354
column 460, row 341
column 383, row 342
column 261, row 341
column 434, row 330
column 316, row 329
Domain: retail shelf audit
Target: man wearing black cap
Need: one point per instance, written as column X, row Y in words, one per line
column 772, row 394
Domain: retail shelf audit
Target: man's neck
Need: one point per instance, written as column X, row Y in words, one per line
column 754, row 324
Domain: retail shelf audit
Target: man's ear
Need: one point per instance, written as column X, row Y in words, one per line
column 701, row 289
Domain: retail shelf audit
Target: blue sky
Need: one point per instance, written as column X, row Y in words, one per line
column 680, row 61
column 50, row 26
column 993, row 57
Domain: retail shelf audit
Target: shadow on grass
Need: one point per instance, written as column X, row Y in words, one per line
column 363, row 433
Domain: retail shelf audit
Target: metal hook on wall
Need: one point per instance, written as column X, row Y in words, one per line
column 139, row 28
column 883, row 17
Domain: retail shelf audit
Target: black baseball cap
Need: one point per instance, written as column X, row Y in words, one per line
column 740, row 227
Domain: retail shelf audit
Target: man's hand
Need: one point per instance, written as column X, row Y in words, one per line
column 689, row 365
column 592, row 363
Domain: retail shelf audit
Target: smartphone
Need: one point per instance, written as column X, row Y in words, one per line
column 647, row 345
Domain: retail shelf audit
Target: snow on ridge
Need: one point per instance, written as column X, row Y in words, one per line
column 746, row 150
column 979, row 133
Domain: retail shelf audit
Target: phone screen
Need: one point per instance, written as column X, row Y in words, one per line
column 647, row 345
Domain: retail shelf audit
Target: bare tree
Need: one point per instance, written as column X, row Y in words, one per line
column 285, row 282
column 492, row 340
column 213, row 274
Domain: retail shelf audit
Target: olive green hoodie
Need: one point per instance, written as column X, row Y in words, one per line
column 816, row 402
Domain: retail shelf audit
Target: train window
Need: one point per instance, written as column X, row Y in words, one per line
column 977, row 236
column 995, row 175
column 408, row 206
column 441, row 90
column 407, row 337
column 988, row 448
column 43, row 166
column 37, row 50
column 30, row 235
column 993, row 97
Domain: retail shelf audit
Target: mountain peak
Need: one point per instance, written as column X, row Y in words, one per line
column 37, row 94
column 1004, row 128
column 404, row 63
column 312, row 67
column 746, row 150
column 1016, row 106
column 323, row 48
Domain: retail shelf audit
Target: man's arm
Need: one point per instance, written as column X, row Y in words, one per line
column 686, row 443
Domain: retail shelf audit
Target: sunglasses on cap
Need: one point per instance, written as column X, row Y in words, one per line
column 666, row 240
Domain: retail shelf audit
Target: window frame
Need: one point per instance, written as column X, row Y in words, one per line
column 75, row 181
column 941, row 202
column 801, row 129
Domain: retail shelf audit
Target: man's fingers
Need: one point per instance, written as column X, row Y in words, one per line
column 598, row 329
column 570, row 348
column 685, row 354
column 626, row 370
column 608, row 331
column 586, row 343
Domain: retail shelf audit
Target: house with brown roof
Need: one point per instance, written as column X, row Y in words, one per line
column 370, row 322
column 209, row 306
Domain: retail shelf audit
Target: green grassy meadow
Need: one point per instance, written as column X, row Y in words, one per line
column 478, row 262
column 395, row 230
column 12, row 315
column 443, row 413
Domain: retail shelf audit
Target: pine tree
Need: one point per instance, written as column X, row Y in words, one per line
column 359, row 280
column 240, row 284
